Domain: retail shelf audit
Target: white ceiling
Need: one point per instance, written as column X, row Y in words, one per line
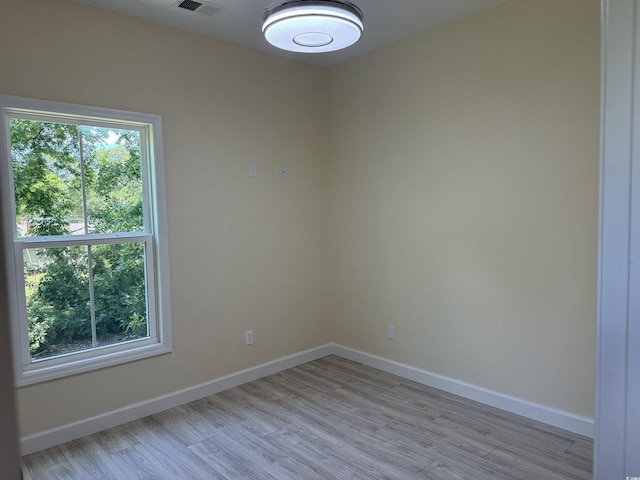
column 240, row 21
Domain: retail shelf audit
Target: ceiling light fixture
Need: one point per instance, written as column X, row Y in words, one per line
column 310, row 26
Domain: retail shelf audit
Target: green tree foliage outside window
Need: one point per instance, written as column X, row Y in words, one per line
column 80, row 180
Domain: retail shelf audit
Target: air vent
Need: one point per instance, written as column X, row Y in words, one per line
column 204, row 8
column 189, row 5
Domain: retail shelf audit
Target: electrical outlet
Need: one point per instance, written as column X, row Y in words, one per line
column 248, row 337
column 391, row 332
column 253, row 170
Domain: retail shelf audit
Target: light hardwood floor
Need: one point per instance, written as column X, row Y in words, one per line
column 327, row 419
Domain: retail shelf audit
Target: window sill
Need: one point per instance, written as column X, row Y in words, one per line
column 75, row 366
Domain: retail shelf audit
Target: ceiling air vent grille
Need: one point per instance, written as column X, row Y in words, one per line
column 204, row 8
column 189, row 5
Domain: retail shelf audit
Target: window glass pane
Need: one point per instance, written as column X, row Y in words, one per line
column 119, row 292
column 58, row 307
column 47, row 179
column 113, row 179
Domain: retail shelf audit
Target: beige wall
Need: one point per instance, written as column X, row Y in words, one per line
column 245, row 253
column 464, row 200
column 454, row 196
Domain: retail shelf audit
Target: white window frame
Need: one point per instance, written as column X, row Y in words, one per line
column 154, row 237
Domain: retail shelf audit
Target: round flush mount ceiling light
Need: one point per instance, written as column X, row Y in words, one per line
column 310, row 26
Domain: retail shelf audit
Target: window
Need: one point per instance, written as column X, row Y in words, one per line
column 83, row 201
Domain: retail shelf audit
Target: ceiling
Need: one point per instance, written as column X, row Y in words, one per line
column 240, row 21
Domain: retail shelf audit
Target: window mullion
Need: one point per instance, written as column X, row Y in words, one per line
column 147, row 218
column 83, row 182
column 75, row 240
column 85, row 216
column 92, row 303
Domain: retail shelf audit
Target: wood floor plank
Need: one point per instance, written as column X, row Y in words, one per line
column 567, row 465
column 438, row 470
column 308, row 459
column 581, row 448
column 46, row 458
column 185, row 424
column 358, row 372
column 474, row 426
column 144, row 430
column 179, row 462
column 64, row 471
column 366, row 460
column 60, row 471
column 262, row 389
column 114, row 439
column 324, row 384
column 330, row 419
column 229, row 460
column 98, row 466
column 135, row 463
column 260, row 408
column 464, row 462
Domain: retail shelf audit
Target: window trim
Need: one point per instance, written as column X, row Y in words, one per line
column 156, row 237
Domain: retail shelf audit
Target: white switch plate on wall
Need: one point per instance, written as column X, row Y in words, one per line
column 283, row 172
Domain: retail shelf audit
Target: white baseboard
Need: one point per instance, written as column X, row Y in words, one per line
column 551, row 416
column 49, row 438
